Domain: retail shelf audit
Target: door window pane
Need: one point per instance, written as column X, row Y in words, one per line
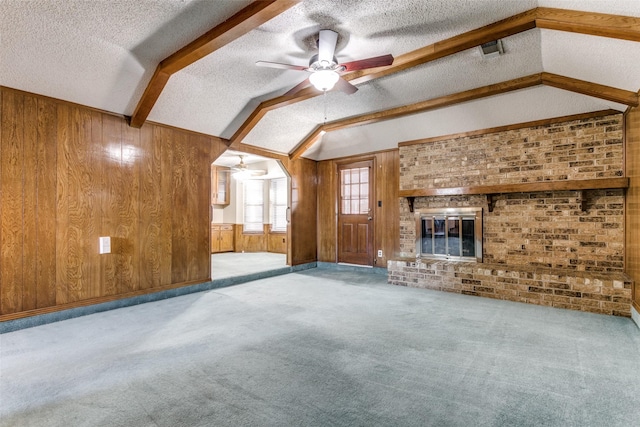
column 354, row 191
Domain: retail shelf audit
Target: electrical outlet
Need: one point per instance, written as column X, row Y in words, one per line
column 379, row 253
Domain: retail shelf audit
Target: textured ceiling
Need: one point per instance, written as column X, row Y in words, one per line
column 103, row 54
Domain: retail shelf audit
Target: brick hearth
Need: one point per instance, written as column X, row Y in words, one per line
column 605, row 293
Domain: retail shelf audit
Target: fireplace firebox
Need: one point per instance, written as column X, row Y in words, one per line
column 450, row 233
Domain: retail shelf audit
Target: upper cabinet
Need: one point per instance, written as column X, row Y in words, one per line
column 220, row 185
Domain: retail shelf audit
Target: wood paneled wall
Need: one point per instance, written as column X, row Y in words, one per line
column 70, row 174
column 327, row 211
column 250, row 242
column 302, row 230
column 386, row 216
column 259, row 242
column 632, row 215
column 277, row 242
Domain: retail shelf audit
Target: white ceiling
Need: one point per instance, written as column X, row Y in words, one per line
column 102, row 54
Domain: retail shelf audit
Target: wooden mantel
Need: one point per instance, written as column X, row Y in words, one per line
column 525, row 187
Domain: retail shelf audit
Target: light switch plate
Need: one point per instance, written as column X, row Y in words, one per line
column 105, row 245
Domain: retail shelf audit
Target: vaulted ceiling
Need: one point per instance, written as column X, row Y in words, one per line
column 120, row 56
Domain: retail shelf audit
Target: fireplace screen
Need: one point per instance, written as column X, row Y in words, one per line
column 449, row 234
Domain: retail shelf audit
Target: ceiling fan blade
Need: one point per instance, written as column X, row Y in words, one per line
column 378, row 61
column 327, row 45
column 297, row 88
column 281, row 66
column 345, row 86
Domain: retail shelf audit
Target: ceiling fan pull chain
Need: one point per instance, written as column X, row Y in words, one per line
column 325, row 107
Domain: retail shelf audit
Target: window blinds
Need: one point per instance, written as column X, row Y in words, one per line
column 253, row 205
column 278, row 204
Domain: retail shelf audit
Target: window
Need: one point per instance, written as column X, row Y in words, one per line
column 253, row 205
column 278, row 204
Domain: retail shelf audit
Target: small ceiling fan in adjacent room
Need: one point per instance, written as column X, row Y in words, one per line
column 325, row 69
column 241, row 170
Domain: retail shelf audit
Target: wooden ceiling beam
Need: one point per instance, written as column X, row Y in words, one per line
column 592, row 89
column 574, row 85
column 595, row 24
column 419, row 107
column 504, row 28
column 261, row 110
column 249, row 18
column 250, row 149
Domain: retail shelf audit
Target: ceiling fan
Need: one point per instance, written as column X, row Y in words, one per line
column 240, row 166
column 325, row 69
column 241, row 169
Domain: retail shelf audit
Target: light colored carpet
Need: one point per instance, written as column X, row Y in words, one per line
column 233, row 264
column 324, row 348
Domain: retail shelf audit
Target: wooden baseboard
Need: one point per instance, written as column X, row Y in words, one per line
column 94, row 301
column 636, row 305
column 303, row 261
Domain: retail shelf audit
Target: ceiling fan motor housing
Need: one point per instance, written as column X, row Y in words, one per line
column 315, row 65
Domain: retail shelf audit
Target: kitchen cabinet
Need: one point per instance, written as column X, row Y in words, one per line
column 220, row 185
column 222, row 238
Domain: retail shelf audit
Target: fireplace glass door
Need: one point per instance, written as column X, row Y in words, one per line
column 450, row 235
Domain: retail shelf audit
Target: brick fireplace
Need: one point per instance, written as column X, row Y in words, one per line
column 558, row 242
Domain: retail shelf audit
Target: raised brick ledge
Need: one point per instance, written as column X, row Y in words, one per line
column 604, row 293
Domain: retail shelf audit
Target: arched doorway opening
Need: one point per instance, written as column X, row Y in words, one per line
column 249, row 215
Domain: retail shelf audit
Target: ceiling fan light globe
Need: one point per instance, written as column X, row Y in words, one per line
column 324, row 80
column 241, row 175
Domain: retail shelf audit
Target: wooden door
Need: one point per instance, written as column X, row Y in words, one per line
column 355, row 213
